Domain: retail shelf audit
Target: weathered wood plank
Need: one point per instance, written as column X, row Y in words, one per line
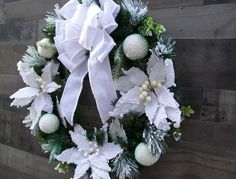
column 208, row 137
column 28, row 163
column 206, row 63
column 211, row 104
column 18, row 31
column 157, row 4
column 199, row 22
column 206, row 2
column 185, row 164
column 29, row 9
column 10, row 173
column 9, row 56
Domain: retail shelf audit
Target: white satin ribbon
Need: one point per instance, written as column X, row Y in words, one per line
column 87, row 29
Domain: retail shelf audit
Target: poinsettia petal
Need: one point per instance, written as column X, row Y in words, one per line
column 71, row 156
column 158, row 71
column 51, row 87
column 163, row 125
column 110, row 150
column 126, row 103
column 48, row 103
column 33, row 117
column 80, row 140
column 99, row 162
column 26, row 92
column 160, row 116
column 136, row 76
column 166, row 98
column 24, row 96
column 28, row 74
column 49, row 71
column 151, row 108
column 81, row 170
column 174, row 114
column 170, row 73
column 39, row 103
column 99, row 174
column 151, row 62
column 123, row 84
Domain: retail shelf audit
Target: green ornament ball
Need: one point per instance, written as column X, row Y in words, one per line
column 49, row 123
column 135, row 47
column 144, row 156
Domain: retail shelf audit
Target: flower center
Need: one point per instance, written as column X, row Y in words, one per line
column 146, row 88
column 94, row 149
column 42, row 84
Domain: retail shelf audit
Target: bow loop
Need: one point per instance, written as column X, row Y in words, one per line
column 87, row 29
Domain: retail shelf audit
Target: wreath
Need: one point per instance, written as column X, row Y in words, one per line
column 128, row 58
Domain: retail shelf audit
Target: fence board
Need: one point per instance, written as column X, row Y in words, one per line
column 28, row 163
column 206, row 63
column 29, row 9
column 157, row 4
column 184, row 164
column 199, row 22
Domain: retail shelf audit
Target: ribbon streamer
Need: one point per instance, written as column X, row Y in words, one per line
column 86, row 29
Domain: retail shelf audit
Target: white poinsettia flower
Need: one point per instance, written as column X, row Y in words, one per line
column 89, row 155
column 37, row 91
column 149, row 93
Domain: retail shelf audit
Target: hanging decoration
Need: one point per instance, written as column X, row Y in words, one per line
column 129, row 60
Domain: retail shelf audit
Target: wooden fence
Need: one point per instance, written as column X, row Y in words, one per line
column 205, row 31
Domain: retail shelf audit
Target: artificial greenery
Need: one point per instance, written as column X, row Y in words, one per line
column 125, row 166
column 55, row 143
column 165, row 47
column 136, row 9
column 120, row 63
column 134, row 124
column 177, row 134
column 187, row 111
column 155, row 140
column 150, row 28
column 62, row 168
column 49, row 32
column 98, row 135
column 34, row 60
column 124, row 29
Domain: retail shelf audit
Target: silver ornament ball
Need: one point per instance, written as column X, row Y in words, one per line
column 49, row 123
column 144, row 156
column 135, row 47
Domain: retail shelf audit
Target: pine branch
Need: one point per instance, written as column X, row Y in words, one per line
column 119, row 62
column 165, row 47
column 155, row 140
column 125, row 166
column 33, row 58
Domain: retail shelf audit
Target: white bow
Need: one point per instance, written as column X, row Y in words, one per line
column 83, row 43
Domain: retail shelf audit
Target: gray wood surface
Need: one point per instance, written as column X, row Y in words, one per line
column 206, row 71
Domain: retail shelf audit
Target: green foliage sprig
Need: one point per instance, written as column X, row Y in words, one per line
column 187, row 111
column 49, row 32
column 55, row 143
column 150, row 28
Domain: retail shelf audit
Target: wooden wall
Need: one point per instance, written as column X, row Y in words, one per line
column 205, row 31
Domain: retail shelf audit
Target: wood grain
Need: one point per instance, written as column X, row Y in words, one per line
column 28, row 164
column 206, row 63
column 199, row 22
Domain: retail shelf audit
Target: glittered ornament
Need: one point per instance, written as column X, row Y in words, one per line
column 135, row 47
column 49, row 123
column 144, row 156
column 46, row 49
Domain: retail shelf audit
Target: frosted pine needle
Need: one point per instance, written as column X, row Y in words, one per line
column 33, row 59
column 137, row 10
